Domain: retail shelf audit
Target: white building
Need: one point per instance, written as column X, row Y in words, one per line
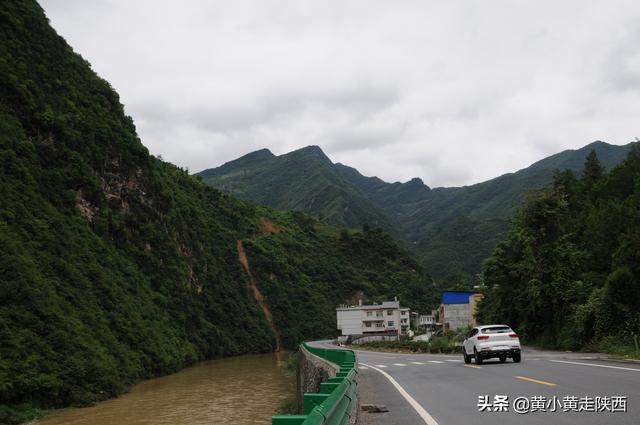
column 387, row 318
column 427, row 320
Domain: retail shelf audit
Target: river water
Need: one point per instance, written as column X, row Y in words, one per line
column 235, row 390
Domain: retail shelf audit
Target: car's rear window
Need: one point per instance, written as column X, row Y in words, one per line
column 496, row 330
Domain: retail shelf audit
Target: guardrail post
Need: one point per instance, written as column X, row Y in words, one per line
column 328, row 387
column 288, row 419
column 311, row 400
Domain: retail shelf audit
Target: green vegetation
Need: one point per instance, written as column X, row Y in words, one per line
column 302, row 180
column 567, row 274
column 450, row 230
column 289, row 406
column 116, row 266
column 328, row 267
column 450, row 342
column 290, row 365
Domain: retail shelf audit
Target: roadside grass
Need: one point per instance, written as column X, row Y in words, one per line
column 448, row 343
column 288, row 407
column 623, row 347
column 627, row 348
column 289, row 367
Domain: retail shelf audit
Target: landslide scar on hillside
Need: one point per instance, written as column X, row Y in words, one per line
column 242, row 256
column 268, row 227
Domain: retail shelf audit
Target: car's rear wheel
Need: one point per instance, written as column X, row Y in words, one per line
column 477, row 356
column 516, row 358
column 503, row 359
column 467, row 358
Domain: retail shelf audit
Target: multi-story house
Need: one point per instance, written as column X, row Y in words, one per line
column 387, row 318
column 458, row 309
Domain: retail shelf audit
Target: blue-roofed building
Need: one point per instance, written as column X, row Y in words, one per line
column 457, row 309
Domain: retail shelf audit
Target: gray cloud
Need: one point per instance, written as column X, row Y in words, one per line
column 452, row 92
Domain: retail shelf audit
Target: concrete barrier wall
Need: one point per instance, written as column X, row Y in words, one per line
column 327, row 388
column 312, row 370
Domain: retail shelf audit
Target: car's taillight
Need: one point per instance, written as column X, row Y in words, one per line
column 483, row 337
column 513, row 335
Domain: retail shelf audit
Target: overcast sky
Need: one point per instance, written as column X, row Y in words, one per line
column 453, row 92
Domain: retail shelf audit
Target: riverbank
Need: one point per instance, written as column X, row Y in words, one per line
column 235, row 390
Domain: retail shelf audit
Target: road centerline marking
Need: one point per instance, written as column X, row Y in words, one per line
column 596, row 365
column 421, row 411
column 526, row 378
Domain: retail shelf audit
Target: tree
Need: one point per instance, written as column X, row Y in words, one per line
column 567, row 273
column 593, row 170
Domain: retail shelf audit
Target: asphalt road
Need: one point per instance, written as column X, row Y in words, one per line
column 448, row 391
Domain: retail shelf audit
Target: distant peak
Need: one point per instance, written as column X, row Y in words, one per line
column 315, row 149
column 597, row 143
column 260, row 153
column 245, row 160
column 417, row 182
column 310, row 151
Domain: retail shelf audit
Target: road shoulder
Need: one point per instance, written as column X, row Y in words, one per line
column 374, row 388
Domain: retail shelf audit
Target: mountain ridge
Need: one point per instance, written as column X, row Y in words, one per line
column 435, row 223
column 332, row 199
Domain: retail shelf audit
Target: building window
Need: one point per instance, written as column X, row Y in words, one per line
column 378, row 314
column 369, row 314
column 378, row 325
column 391, row 323
column 404, row 313
column 368, row 324
column 403, row 321
column 389, row 312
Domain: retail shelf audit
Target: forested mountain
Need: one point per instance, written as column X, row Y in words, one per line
column 302, row 180
column 450, row 229
column 568, row 274
column 116, row 266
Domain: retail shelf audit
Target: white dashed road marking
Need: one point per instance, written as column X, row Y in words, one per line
column 363, row 368
column 435, row 361
column 451, row 360
column 417, row 362
column 399, row 364
column 381, row 365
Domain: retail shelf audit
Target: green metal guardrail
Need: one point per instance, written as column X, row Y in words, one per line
column 337, row 397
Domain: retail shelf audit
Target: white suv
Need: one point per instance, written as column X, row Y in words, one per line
column 485, row 342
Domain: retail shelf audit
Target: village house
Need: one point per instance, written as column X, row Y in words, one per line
column 386, row 319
